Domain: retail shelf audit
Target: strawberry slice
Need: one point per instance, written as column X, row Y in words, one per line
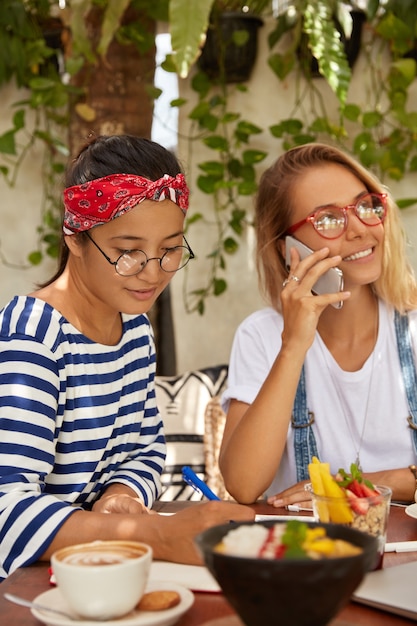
column 357, row 503
column 368, row 492
column 356, row 487
column 371, row 493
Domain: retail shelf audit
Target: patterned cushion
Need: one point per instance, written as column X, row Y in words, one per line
column 182, row 402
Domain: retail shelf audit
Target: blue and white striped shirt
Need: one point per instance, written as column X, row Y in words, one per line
column 75, row 416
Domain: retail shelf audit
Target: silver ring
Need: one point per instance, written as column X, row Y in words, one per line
column 289, row 279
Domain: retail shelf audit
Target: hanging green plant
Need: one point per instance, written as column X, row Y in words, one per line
column 227, row 177
column 26, row 57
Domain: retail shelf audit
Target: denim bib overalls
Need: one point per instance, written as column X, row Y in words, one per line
column 302, row 419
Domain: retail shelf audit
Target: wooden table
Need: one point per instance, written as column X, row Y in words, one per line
column 212, row 609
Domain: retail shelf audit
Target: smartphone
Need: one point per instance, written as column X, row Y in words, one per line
column 330, row 282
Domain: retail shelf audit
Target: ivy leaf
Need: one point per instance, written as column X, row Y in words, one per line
column 320, row 125
column 207, row 184
column 240, row 37
column 281, row 64
column 247, row 128
column 201, row 84
column 216, row 142
column 19, row 119
column 178, row 102
column 397, row 32
column 53, row 251
column 230, row 245
column 219, row 286
column 230, row 117
column 154, row 92
column 407, row 68
column 200, row 307
column 168, row 64
column 371, row 119
column 195, row 217
column 404, row 203
column 35, row 258
column 247, row 188
column 199, row 111
column 300, row 140
column 290, row 126
column 254, row 156
column 41, row 83
column 215, row 169
column 7, row 142
column 352, row 112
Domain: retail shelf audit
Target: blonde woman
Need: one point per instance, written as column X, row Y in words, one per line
column 322, row 374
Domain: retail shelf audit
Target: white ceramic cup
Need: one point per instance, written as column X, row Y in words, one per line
column 103, row 579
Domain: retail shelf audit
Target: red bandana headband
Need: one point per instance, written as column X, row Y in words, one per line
column 101, row 200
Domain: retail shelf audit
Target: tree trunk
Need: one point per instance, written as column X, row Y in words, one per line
column 115, row 88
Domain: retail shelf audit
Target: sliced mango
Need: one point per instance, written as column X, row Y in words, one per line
column 323, row 484
column 338, row 507
column 318, row 488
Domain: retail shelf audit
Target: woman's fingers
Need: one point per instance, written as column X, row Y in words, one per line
column 313, row 266
column 304, row 275
column 295, row 495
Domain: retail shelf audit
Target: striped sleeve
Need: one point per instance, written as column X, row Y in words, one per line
column 75, row 416
column 29, row 389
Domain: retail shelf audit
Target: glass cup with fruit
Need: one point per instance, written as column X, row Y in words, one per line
column 349, row 499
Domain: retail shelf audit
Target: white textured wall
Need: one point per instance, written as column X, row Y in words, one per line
column 201, row 340
column 19, row 214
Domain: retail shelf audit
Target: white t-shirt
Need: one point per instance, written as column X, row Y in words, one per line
column 342, row 407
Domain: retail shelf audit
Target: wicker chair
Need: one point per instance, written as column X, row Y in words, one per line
column 190, row 408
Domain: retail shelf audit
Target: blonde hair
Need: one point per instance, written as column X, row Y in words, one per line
column 273, row 211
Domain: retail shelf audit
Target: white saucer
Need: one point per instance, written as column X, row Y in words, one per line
column 53, row 599
column 411, row 510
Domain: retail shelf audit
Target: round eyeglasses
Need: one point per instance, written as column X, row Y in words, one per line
column 331, row 221
column 132, row 262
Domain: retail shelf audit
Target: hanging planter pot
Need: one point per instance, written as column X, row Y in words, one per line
column 231, row 46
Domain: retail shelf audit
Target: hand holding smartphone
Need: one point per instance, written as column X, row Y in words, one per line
column 330, row 282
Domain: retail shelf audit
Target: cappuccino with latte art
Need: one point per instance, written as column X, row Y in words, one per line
column 102, row 580
column 100, row 555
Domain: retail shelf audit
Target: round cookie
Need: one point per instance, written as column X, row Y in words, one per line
column 159, row 600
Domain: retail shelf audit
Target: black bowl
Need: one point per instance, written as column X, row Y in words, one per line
column 299, row 592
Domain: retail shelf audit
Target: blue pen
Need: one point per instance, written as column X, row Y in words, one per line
column 194, row 481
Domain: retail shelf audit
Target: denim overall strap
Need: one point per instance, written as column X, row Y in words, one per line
column 302, row 420
column 405, row 352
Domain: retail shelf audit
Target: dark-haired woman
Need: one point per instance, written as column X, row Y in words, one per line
column 81, row 440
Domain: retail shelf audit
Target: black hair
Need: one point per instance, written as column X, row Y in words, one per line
column 121, row 154
column 115, row 154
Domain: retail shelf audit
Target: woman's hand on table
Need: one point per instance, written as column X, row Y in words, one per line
column 293, row 495
column 121, row 503
column 176, row 532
